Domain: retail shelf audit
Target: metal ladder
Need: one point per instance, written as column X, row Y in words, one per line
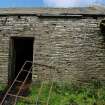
column 22, row 83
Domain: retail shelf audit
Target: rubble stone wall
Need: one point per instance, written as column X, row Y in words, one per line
column 72, row 49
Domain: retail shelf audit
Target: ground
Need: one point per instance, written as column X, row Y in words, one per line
column 92, row 93
column 67, row 94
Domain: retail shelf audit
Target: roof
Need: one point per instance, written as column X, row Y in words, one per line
column 93, row 10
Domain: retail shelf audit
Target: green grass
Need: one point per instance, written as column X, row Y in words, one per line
column 68, row 94
column 2, row 87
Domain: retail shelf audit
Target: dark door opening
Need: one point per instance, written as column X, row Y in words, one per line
column 22, row 50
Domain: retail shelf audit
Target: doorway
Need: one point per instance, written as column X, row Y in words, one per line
column 21, row 50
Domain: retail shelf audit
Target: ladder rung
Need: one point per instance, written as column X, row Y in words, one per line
column 27, row 71
column 18, row 81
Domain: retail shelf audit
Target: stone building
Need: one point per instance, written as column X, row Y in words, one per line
column 67, row 42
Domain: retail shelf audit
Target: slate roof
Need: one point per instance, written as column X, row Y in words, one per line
column 54, row 11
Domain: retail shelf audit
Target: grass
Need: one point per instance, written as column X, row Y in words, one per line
column 2, row 87
column 68, row 94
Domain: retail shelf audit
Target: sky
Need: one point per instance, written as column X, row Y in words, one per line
column 49, row 3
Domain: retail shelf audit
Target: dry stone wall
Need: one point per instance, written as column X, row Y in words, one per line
column 75, row 47
column 72, row 49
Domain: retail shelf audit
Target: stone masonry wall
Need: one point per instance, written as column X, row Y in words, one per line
column 24, row 26
column 72, row 49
